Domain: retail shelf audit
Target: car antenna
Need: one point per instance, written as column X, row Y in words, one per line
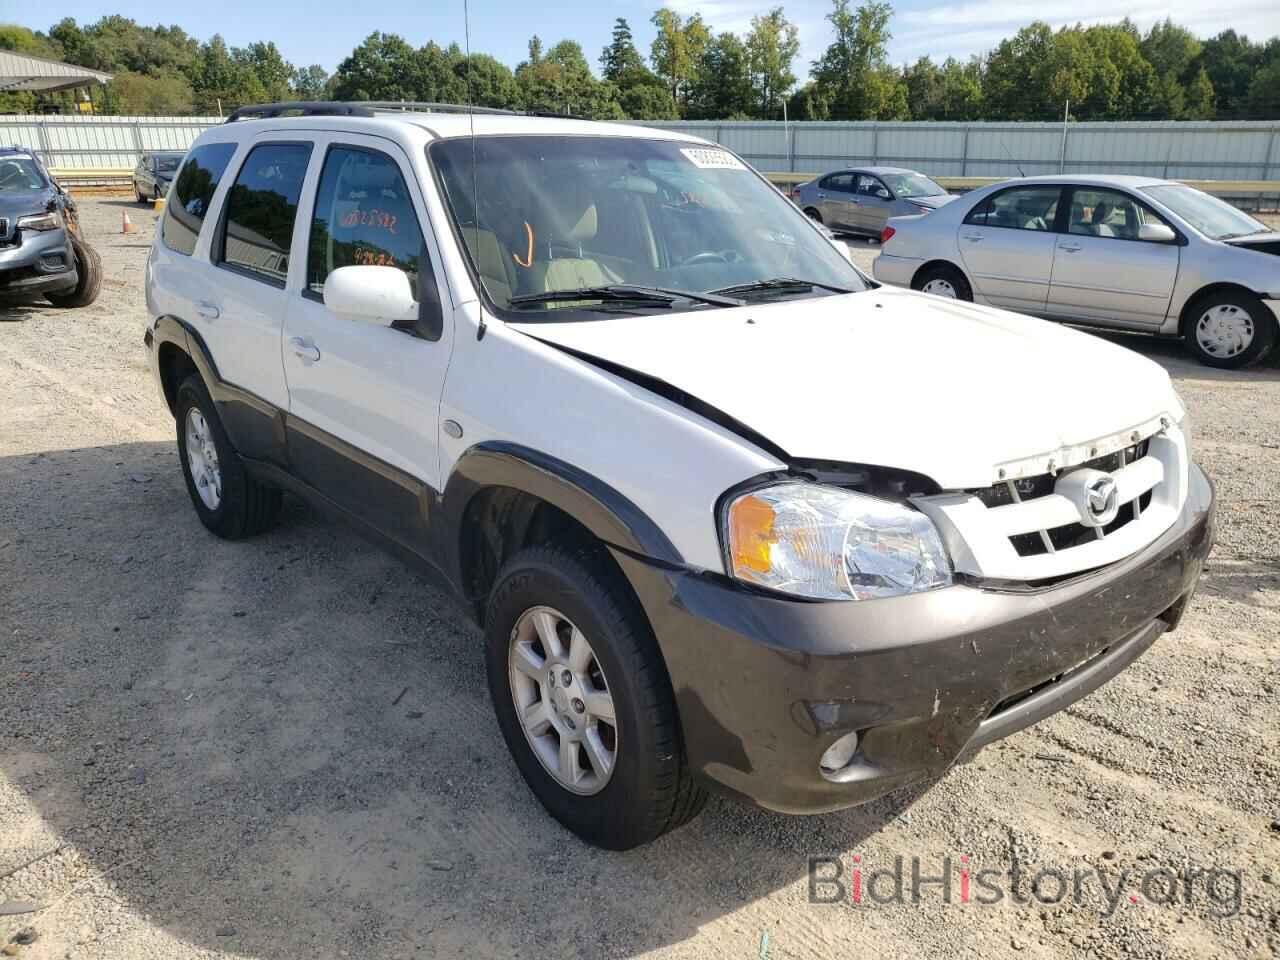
column 475, row 174
column 1011, row 157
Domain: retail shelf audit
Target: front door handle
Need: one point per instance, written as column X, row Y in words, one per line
column 305, row 350
column 1070, row 247
column 208, row 310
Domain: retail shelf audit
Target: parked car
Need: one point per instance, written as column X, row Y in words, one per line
column 154, row 173
column 861, row 200
column 1131, row 253
column 627, row 405
column 42, row 249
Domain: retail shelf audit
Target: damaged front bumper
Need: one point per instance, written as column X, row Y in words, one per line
column 42, row 262
column 765, row 684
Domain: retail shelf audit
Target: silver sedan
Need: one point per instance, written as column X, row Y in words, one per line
column 1126, row 252
column 860, row 200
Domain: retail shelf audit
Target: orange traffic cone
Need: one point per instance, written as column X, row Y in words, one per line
column 126, row 225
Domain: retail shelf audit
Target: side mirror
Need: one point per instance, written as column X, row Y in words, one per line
column 1156, row 233
column 378, row 295
column 883, row 194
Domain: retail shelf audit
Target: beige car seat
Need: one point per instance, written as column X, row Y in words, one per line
column 497, row 271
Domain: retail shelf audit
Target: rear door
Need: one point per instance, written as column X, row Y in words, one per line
column 1103, row 270
column 1007, row 244
column 835, row 200
column 364, row 399
column 874, row 203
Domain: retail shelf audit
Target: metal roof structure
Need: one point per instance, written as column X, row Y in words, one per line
column 19, row 71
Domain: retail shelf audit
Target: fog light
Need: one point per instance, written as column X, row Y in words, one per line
column 839, row 753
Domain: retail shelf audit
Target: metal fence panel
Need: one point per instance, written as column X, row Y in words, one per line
column 1197, row 150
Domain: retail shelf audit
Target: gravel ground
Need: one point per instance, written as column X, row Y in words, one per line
column 209, row 750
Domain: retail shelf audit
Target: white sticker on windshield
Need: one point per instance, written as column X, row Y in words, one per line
column 705, row 158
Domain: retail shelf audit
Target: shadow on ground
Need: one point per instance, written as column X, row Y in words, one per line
column 284, row 748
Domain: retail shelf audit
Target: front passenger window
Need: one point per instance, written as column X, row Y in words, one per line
column 363, row 215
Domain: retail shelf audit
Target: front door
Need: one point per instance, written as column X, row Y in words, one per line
column 874, row 203
column 1104, row 270
column 1007, row 244
column 364, row 399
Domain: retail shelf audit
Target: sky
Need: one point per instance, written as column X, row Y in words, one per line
column 324, row 31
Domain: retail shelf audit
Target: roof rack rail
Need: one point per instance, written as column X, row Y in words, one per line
column 300, row 108
column 430, row 107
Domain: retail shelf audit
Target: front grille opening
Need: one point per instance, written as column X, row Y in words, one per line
column 1011, row 701
column 1029, row 488
column 1077, row 534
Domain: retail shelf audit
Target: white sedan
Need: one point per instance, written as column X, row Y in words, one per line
column 1131, row 253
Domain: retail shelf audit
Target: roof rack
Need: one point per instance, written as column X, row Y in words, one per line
column 371, row 108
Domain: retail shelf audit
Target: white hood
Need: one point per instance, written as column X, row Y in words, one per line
column 890, row 378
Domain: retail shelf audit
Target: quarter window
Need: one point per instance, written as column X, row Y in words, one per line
column 363, row 215
column 1108, row 213
column 262, row 206
column 1022, row 208
column 191, row 195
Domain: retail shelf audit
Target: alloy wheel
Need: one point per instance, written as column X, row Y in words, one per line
column 202, row 459
column 563, row 701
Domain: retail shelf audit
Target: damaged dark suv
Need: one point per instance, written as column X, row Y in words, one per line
column 42, row 249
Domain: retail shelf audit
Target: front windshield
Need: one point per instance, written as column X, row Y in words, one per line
column 1213, row 217
column 568, row 213
column 906, row 185
column 168, row 164
column 20, row 175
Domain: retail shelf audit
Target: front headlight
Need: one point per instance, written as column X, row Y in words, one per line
column 827, row 543
column 40, row 221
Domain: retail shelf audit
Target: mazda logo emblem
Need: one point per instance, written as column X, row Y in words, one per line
column 1102, row 500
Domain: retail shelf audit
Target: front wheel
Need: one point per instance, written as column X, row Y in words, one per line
column 89, row 268
column 1229, row 330
column 943, row 280
column 583, row 698
column 813, row 214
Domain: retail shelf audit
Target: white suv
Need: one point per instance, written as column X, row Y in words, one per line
column 729, row 513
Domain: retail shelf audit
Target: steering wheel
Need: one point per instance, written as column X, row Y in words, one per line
column 713, row 256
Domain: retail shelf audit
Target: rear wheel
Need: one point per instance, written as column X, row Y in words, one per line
column 229, row 502
column 583, row 698
column 89, row 267
column 943, row 280
column 1229, row 330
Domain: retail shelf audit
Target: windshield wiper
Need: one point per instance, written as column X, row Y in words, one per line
column 782, row 283
column 625, row 293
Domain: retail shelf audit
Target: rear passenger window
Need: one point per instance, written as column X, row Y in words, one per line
column 1022, row 208
column 363, row 215
column 261, row 209
column 191, row 195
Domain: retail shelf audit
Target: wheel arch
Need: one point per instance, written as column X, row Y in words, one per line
column 502, row 497
column 928, row 265
column 1186, row 315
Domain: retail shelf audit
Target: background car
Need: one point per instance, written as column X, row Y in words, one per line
column 1128, row 252
column 862, row 199
column 42, row 251
column 154, row 173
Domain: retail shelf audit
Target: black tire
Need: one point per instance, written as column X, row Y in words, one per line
column 1260, row 319
column 138, row 194
column 247, row 507
column 813, row 214
column 946, row 273
column 89, row 266
column 651, row 789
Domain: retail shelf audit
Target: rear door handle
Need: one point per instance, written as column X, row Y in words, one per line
column 1070, row 247
column 305, row 350
column 973, row 237
column 208, row 310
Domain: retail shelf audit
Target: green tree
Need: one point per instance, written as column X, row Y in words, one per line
column 492, row 84
column 266, row 63
column 310, row 83
column 925, row 88
column 225, row 80
column 853, row 76
column 380, row 68
column 772, row 46
column 1264, row 91
column 560, row 81
column 721, row 85
column 961, row 89
column 621, row 58
column 1231, row 63
column 677, row 47
column 146, row 95
column 1198, row 103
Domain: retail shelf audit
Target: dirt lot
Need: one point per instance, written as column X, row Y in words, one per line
column 204, row 751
